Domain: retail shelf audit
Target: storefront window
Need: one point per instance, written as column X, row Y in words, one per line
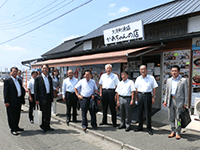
column 180, row 58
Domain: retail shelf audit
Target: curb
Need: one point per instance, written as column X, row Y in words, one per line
column 103, row 137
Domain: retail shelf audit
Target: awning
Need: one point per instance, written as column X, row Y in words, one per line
column 93, row 59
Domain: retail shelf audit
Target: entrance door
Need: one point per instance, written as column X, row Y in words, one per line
column 153, row 64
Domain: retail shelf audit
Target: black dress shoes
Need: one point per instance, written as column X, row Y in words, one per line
column 102, row 123
column 20, row 129
column 50, row 129
column 128, row 129
column 114, row 125
column 84, row 129
column 94, row 127
column 121, row 127
column 67, row 122
column 14, row 133
column 150, row 132
column 44, row 130
column 138, row 129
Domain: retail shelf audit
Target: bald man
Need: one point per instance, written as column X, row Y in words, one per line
column 69, row 95
column 108, row 83
column 145, row 85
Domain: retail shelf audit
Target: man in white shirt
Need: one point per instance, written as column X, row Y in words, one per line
column 125, row 95
column 69, row 95
column 31, row 95
column 13, row 98
column 145, row 84
column 87, row 87
column 108, row 83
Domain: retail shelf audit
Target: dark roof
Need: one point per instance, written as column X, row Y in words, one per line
column 162, row 12
column 66, row 46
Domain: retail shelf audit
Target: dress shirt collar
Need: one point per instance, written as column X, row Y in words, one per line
column 125, row 80
column 176, row 78
column 14, row 78
column 87, row 80
column 147, row 76
column 109, row 74
column 44, row 76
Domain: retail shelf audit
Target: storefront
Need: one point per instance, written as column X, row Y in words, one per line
column 145, row 38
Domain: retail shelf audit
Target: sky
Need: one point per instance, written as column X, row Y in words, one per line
column 45, row 24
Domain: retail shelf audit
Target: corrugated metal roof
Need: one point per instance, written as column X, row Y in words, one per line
column 66, row 46
column 162, row 12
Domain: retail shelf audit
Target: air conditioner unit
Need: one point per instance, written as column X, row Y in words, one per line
column 197, row 107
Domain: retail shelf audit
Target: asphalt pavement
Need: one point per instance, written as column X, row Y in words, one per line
column 62, row 138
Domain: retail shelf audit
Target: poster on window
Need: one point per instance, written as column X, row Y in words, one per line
column 196, row 68
column 180, row 58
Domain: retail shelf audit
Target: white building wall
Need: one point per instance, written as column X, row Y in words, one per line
column 194, row 24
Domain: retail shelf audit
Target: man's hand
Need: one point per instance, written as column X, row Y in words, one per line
column 131, row 102
column 30, row 99
column 57, row 89
column 184, row 106
column 7, row 104
column 37, row 102
column 117, row 103
column 100, row 94
column 153, row 100
column 80, row 97
column 63, row 99
column 165, row 104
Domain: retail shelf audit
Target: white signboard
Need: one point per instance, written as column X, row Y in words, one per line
column 125, row 32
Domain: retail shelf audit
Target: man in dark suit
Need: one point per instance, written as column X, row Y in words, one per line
column 43, row 93
column 13, row 98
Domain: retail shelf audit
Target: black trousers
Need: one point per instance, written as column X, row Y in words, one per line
column 13, row 113
column 71, row 101
column 85, row 106
column 46, row 113
column 108, row 98
column 144, row 103
column 31, row 107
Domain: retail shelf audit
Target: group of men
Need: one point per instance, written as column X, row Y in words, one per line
column 142, row 93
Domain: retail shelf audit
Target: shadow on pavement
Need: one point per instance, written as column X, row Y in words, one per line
column 190, row 137
column 39, row 132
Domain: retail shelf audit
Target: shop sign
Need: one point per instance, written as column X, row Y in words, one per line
column 125, row 32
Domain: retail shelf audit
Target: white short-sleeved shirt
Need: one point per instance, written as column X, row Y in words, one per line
column 125, row 88
column 68, row 85
column 87, row 88
column 109, row 81
column 146, row 84
column 31, row 83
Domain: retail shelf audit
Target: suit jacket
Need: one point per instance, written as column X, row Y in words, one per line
column 40, row 90
column 181, row 94
column 11, row 94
